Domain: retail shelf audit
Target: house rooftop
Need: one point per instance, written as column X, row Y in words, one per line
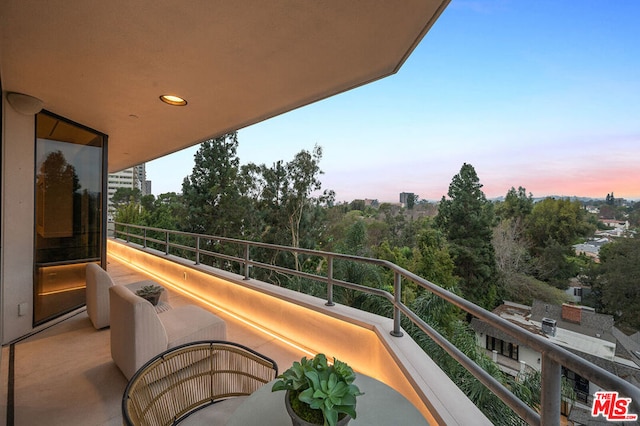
column 578, row 329
column 582, row 343
column 578, row 319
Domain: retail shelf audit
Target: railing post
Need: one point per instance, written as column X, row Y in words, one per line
column 550, row 392
column 128, row 236
column 246, row 262
column 144, row 239
column 397, row 290
column 330, row 281
column 166, row 242
column 197, row 250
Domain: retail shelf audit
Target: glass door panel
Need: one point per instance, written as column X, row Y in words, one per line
column 68, row 217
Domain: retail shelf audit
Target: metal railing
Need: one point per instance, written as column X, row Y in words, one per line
column 553, row 357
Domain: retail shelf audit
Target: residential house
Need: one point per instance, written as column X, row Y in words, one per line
column 579, row 329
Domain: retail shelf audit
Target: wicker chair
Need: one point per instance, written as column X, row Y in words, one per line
column 189, row 378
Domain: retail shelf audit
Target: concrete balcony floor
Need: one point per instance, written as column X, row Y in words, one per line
column 64, row 375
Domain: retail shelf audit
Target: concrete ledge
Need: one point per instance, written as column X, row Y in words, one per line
column 359, row 338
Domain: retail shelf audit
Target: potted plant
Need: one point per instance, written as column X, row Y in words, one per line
column 319, row 393
column 151, row 293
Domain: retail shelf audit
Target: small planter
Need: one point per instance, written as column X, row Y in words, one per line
column 316, row 383
column 150, row 293
column 296, row 420
column 153, row 298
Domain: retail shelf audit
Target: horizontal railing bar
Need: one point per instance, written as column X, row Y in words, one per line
column 220, row 256
column 155, row 240
column 324, row 279
column 181, row 247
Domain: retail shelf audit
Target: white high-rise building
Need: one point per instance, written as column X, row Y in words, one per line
column 133, row 177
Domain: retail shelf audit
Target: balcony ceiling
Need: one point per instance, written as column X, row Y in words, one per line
column 105, row 63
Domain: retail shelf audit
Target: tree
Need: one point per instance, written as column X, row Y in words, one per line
column 516, row 205
column 610, row 200
column 412, row 199
column 293, row 216
column 166, row 212
column 129, row 213
column 355, row 243
column 511, row 248
column 553, row 226
column 124, row 196
column 432, row 258
column 634, row 214
column 616, row 281
column 211, row 194
column 56, row 173
column 513, row 257
column 283, row 208
column 303, row 174
column 396, row 230
column 466, row 219
column 559, row 220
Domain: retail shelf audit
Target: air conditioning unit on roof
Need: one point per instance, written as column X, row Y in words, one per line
column 549, row 326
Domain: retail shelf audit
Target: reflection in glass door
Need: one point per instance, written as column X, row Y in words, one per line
column 69, row 233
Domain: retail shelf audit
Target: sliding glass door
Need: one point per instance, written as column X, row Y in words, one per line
column 69, row 223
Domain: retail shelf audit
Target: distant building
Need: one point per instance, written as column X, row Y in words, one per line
column 405, row 197
column 621, row 225
column 591, row 248
column 133, row 177
column 141, row 178
column 592, row 209
column 577, row 292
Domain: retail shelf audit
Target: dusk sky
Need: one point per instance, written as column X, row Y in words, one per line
column 539, row 94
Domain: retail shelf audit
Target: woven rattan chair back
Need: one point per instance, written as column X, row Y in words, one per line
column 183, row 379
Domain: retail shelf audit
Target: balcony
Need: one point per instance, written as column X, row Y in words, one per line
column 75, row 376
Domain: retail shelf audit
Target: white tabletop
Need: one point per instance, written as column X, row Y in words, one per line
column 380, row 405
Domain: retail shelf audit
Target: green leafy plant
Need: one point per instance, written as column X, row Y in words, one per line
column 150, row 292
column 326, row 388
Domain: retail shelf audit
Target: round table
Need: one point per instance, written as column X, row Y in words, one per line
column 380, row 405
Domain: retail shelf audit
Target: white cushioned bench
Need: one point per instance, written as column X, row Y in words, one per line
column 138, row 332
column 98, row 283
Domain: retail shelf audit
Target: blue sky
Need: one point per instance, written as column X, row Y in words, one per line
column 539, row 94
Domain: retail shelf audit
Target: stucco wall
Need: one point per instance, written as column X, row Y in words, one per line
column 17, row 221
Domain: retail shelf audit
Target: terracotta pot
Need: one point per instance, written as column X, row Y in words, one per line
column 297, row 421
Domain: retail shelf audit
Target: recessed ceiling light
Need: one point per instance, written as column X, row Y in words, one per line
column 173, row 100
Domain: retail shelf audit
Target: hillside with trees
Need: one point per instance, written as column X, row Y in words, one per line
column 515, row 249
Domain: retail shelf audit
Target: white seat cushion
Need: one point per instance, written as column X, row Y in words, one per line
column 191, row 323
